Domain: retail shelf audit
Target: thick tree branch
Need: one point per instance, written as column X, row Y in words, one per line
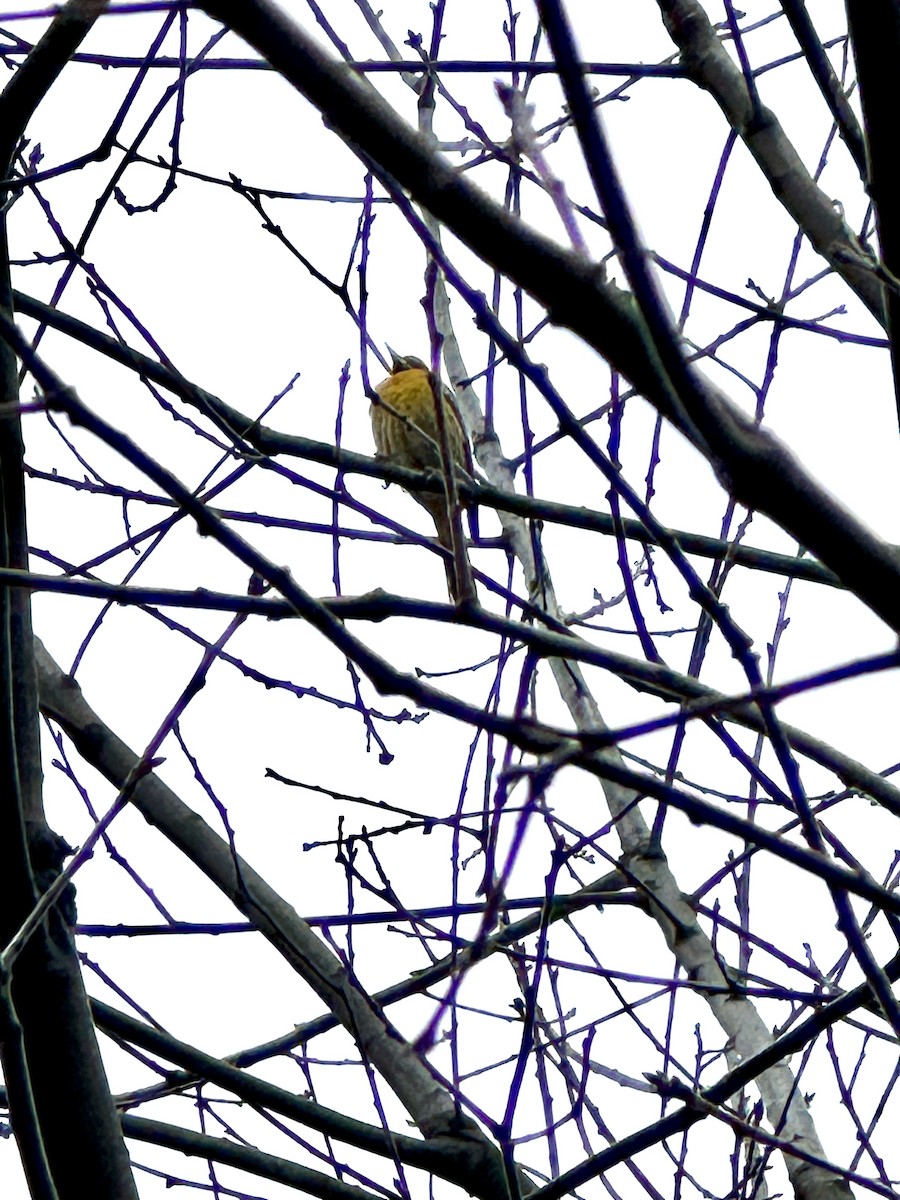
column 441, row 1156
column 246, row 1158
column 73, row 1110
column 271, row 442
column 875, row 36
column 379, row 1042
column 760, row 471
column 829, row 85
column 709, row 65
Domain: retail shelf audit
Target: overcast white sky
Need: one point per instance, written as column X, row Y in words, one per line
column 236, row 313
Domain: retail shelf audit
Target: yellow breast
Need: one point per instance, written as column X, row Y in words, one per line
column 409, row 393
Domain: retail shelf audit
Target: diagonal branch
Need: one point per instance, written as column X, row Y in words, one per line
column 735, row 442
column 829, row 84
column 246, row 1158
column 271, row 442
column 875, row 34
column 60, row 1079
column 440, row 1156
column 709, row 65
column 759, row 470
column 379, row 1042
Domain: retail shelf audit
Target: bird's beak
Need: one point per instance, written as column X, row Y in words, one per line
column 396, row 359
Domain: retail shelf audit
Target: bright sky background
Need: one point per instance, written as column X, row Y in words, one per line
column 235, row 313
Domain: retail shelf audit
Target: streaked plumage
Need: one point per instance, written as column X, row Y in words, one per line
column 408, row 391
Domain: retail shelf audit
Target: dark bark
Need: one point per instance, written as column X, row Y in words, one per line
column 62, row 1113
column 875, row 35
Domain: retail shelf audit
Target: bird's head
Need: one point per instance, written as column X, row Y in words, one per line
column 404, row 362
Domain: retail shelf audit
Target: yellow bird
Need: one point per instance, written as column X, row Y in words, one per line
column 409, row 392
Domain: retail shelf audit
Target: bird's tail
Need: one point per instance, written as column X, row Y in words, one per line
column 445, row 537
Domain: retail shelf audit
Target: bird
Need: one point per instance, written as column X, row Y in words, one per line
column 409, row 391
